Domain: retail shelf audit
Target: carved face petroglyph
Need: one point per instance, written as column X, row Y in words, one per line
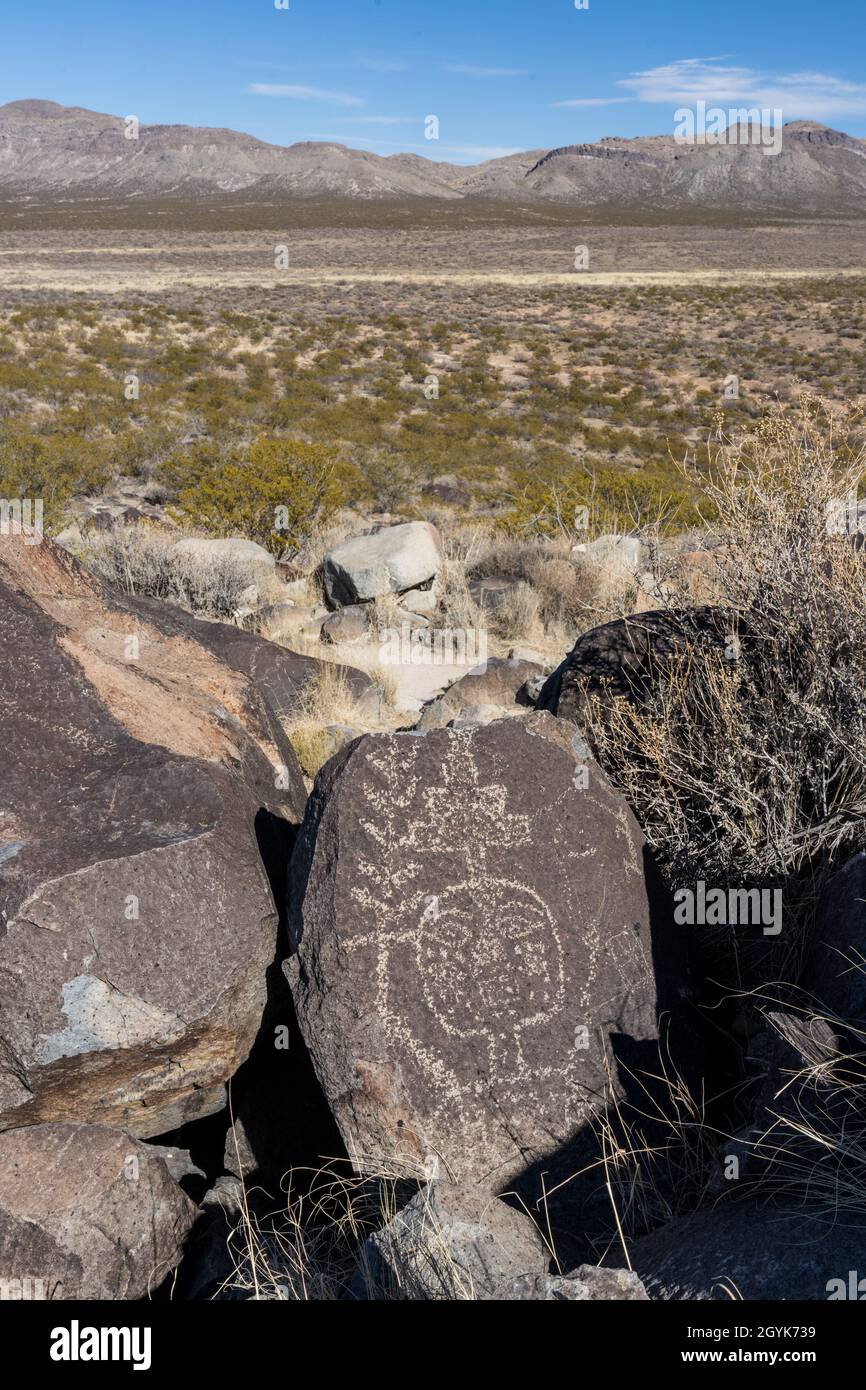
column 482, row 989
column 509, row 964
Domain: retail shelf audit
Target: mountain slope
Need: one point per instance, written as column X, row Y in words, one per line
column 816, row 169
column 50, row 151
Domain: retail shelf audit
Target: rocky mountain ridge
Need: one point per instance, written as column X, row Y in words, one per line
column 47, row 150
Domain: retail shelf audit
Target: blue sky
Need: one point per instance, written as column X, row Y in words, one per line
column 501, row 75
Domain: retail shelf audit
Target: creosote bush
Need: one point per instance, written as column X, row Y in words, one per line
column 279, row 492
column 49, row 468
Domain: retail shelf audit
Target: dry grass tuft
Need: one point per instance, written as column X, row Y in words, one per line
column 330, row 711
column 313, row 1247
column 750, row 766
column 140, row 559
column 811, row 1148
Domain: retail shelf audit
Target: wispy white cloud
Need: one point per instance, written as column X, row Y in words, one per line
column 592, row 101
column 284, row 89
column 470, row 70
column 805, row 94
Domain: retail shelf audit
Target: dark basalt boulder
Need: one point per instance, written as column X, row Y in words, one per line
column 144, row 775
column 481, row 941
column 624, row 658
column 834, row 971
column 742, row 1250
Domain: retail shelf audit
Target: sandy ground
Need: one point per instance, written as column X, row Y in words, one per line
column 36, row 273
column 413, row 685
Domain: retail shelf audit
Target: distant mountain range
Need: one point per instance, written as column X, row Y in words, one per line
column 67, row 152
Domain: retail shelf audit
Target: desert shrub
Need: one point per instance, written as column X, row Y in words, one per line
column 313, row 747
column 49, row 467
column 389, row 481
column 457, row 607
column 134, row 558
column 561, row 591
column 557, row 498
column 327, row 699
column 749, row 765
column 517, row 616
column 139, row 451
column 278, row 492
column 608, row 589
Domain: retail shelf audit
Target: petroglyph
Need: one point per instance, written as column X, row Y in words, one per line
column 483, row 943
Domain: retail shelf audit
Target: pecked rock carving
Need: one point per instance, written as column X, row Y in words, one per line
column 473, row 932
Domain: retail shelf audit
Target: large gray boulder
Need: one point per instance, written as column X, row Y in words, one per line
column 136, row 917
column 480, row 939
column 234, row 550
column 87, row 1212
column 619, row 553
column 389, row 561
column 449, row 1242
column 743, row 1250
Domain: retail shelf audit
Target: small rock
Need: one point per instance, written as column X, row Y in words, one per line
column 295, row 588
column 449, row 1242
column 417, row 621
column 348, row 624
column 585, row 1283
column 178, row 1162
column 226, row 1195
column 339, row 735
column 494, row 686
column 447, row 490
column 530, row 654
column 420, row 600
column 478, row 714
column 70, row 537
column 89, row 1212
column 530, row 692
column 283, row 622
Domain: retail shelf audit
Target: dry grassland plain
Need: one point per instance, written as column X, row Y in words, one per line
column 419, row 343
